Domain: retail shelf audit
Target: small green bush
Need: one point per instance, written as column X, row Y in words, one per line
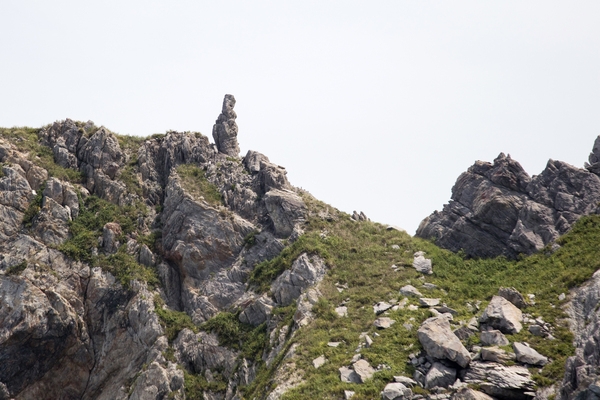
column 172, row 321
column 17, row 269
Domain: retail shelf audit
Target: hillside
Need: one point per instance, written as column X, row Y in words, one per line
column 168, row 267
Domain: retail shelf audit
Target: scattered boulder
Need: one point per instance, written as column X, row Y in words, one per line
column 383, row 322
column 342, row 311
column 348, row 394
column 225, row 129
column 410, row 291
column 110, row 234
column 319, row 361
column 348, row 375
column 511, row 294
column 439, row 375
column 422, row 264
column 439, row 341
column 364, row 370
column 405, row 380
column 396, row 391
column 501, row 314
column 527, row 355
column 493, row 338
column 381, row 307
column 427, row 302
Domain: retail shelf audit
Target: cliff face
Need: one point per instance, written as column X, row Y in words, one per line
column 171, row 268
column 498, row 209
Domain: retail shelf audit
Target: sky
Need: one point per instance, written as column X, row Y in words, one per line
column 371, row 106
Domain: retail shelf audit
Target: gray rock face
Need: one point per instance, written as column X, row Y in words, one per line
column 225, row 129
column 439, row 341
column 584, row 313
column 201, row 352
column 493, row 338
column 513, row 295
column 285, row 210
column 422, row 264
column 410, row 291
column 498, row 209
column 500, row 381
column 501, row 314
column 396, row 391
column 439, row 376
column 305, row 272
column 527, row 355
column 470, row 394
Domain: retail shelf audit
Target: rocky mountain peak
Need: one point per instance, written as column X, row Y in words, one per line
column 225, row 129
column 498, row 209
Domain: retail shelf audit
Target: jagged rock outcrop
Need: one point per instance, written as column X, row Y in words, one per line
column 498, row 209
column 225, row 129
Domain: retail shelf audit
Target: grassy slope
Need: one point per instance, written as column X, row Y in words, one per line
column 361, row 254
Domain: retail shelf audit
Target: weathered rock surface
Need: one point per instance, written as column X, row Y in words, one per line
column 396, row 391
column 439, row 341
column 225, row 129
column 527, row 355
column 501, row 314
column 582, row 368
column 439, row 376
column 422, row 264
column 498, row 209
column 305, row 272
column 470, row 394
column 493, row 338
column 496, row 380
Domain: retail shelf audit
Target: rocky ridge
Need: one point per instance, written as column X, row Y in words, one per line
column 498, row 209
column 169, row 267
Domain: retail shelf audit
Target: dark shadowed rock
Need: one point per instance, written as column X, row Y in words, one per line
column 225, row 129
column 513, row 295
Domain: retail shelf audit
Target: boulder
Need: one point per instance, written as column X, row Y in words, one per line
column 225, row 129
column 383, row 322
column 305, row 272
column 396, row 391
column 364, row 370
column 513, row 295
column 527, row 355
column 497, row 380
column 422, row 264
column 285, row 209
column 381, row 307
column 501, row 314
column 439, row 375
column 496, row 354
column 466, row 393
column 439, row 341
column 410, row 291
column 427, row 302
column 348, row 375
column 493, row 338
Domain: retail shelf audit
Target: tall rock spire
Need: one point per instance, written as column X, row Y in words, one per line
column 225, row 129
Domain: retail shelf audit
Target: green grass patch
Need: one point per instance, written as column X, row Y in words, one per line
column 193, row 180
column 27, row 140
column 236, row 335
column 172, row 321
column 196, row 385
column 34, row 207
column 360, row 254
column 16, row 269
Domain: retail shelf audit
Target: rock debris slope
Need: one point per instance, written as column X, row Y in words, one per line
column 168, row 267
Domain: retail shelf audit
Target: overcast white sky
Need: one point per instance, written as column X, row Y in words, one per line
column 372, row 106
